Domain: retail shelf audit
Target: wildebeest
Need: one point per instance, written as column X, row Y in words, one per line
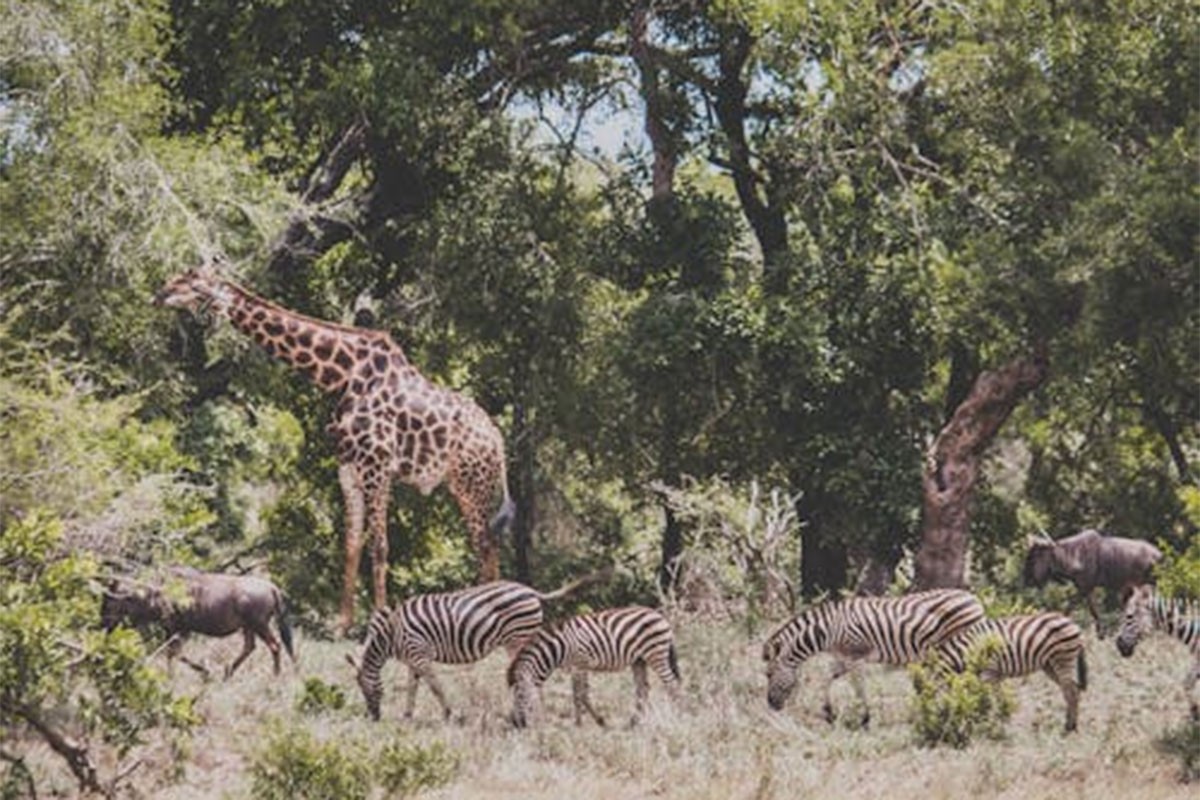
column 1090, row 560
column 209, row 603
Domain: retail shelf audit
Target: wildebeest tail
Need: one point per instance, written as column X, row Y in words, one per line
column 1081, row 671
column 285, row 627
column 673, row 662
column 508, row 510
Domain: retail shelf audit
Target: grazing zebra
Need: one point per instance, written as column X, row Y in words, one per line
column 891, row 630
column 606, row 641
column 448, row 628
column 1047, row 641
column 1146, row 610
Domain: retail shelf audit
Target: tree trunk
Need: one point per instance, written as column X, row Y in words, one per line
column 524, row 490
column 672, row 550
column 952, row 468
column 662, row 141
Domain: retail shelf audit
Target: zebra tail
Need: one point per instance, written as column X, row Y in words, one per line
column 285, row 627
column 1081, row 671
column 673, row 662
column 604, row 573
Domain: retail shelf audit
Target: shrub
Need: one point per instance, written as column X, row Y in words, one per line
column 955, row 708
column 294, row 765
column 317, row 696
column 1183, row 742
column 404, row 769
column 1178, row 574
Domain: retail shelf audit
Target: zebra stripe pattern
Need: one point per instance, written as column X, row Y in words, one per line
column 1047, row 641
column 634, row 637
column 891, row 630
column 1147, row 610
column 447, row 628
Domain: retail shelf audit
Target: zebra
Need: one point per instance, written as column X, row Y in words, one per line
column 1146, row 610
column 605, row 641
column 1048, row 641
column 891, row 630
column 458, row 627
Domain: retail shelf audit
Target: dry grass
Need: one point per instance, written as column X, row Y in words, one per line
column 724, row 743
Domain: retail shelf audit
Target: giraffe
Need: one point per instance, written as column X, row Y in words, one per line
column 391, row 423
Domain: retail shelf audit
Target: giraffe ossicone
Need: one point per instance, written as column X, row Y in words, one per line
column 391, row 423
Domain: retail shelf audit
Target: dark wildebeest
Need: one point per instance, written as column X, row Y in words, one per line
column 1090, row 560
column 209, row 603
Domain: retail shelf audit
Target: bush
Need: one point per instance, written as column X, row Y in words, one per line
column 1183, row 742
column 955, row 708
column 404, row 769
column 317, row 696
column 294, row 765
column 1178, row 574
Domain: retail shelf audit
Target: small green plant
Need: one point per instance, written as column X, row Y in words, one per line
column 294, row 765
column 1183, row 742
column 1178, row 574
column 952, row 708
column 318, row 697
column 403, row 768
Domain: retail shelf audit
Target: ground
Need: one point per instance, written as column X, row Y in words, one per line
column 723, row 743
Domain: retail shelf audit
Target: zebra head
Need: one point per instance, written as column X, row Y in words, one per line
column 1137, row 619
column 528, row 670
column 783, row 653
column 377, row 647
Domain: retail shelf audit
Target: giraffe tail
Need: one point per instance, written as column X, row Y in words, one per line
column 503, row 518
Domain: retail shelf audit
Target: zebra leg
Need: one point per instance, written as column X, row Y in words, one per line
column 410, row 703
column 425, row 670
column 840, row 668
column 860, row 691
column 1063, row 675
column 1189, row 688
column 579, row 692
column 641, row 690
column 247, row 649
column 662, row 667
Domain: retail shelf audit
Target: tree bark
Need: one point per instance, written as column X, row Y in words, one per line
column 662, row 141
column 523, row 494
column 952, row 468
column 672, row 550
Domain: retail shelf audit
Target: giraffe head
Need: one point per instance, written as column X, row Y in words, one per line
column 194, row 289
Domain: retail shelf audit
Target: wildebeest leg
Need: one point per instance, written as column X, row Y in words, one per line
column 264, row 633
column 579, row 693
column 641, row 690
column 175, row 650
column 1090, row 598
column 414, row 680
column 247, row 649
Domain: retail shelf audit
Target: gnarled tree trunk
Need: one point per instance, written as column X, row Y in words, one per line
column 952, row 469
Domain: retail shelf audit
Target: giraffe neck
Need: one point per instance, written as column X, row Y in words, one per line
column 329, row 354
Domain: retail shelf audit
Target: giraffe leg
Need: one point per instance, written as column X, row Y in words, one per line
column 377, row 500
column 472, row 501
column 352, row 498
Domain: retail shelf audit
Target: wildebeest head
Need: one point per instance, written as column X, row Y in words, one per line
column 1040, row 562
column 125, row 603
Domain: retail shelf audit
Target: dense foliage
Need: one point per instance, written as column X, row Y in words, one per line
column 827, row 221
